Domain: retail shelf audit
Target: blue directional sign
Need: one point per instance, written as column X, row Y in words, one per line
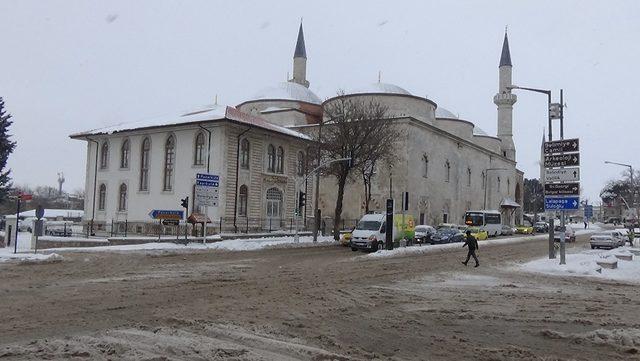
column 561, row 203
column 207, row 177
column 166, row 214
column 207, row 183
column 588, row 211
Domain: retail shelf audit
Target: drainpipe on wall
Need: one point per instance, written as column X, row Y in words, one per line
column 235, row 203
column 95, row 181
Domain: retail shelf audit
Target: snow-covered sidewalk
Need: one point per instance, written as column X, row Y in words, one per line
column 583, row 264
column 228, row 245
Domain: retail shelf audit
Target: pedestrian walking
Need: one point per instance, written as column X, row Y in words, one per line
column 631, row 235
column 585, row 224
column 472, row 243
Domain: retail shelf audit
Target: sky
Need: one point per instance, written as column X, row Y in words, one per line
column 69, row 66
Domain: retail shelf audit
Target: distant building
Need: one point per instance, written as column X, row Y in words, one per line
column 260, row 149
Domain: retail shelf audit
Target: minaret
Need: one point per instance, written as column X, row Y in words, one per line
column 505, row 100
column 300, row 61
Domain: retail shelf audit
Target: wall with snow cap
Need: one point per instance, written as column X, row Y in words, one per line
column 399, row 105
column 458, row 127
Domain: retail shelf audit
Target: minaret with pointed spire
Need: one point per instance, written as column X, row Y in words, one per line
column 300, row 61
column 505, row 100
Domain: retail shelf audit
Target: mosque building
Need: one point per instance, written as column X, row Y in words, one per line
column 259, row 149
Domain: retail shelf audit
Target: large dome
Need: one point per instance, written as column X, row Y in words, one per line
column 287, row 91
column 381, row 88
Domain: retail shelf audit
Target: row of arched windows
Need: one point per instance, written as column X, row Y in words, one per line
column 447, row 174
column 199, row 158
column 122, row 197
column 275, row 158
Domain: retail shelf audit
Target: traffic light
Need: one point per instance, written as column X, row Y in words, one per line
column 302, row 199
column 185, row 202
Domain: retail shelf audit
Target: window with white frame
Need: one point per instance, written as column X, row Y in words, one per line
column 144, row 164
column 301, row 165
column 280, row 160
column 124, row 154
column 271, row 158
column 169, row 163
column 244, row 153
column 102, row 197
column 122, row 198
column 104, row 155
column 198, row 152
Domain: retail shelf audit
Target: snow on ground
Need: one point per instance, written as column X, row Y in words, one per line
column 583, row 264
column 6, row 254
column 228, row 245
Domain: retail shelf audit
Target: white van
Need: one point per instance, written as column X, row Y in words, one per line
column 369, row 234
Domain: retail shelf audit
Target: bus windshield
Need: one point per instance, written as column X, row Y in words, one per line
column 474, row 219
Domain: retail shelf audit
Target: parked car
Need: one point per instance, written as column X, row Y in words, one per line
column 570, row 234
column 608, row 239
column 541, row 227
column 506, row 230
column 423, row 233
column 614, row 220
column 447, row 235
column 345, row 239
column 522, row 229
column 447, row 225
column 478, row 233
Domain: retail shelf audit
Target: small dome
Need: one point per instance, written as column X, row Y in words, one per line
column 478, row 131
column 287, row 91
column 444, row 113
column 381, row 88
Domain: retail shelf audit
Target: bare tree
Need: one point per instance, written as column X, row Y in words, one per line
column 362, row 130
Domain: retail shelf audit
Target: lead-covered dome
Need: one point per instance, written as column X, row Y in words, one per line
column 287, row 91
column 381, row 88
column 444, row 113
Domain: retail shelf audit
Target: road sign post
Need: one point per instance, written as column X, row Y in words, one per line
column 207, row 194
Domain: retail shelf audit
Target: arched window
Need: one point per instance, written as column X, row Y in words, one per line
column 484, row 179
column 508, row 186
column 198, row 154
column 498, row 184
column 271, row 156
column 280, row 160
column 244, row 153
column 468, row 177
column 242, row 201
column 300, row 169
column 425, row 158
column 102, row 197
column 447, row 175
column 169, row 162
column 124, row 154
column 144, row 164
column 104, row 156
column 122, row 198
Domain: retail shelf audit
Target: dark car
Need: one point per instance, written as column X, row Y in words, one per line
column 447, row 235
column 541, row 227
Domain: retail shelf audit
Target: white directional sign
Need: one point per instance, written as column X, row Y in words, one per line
column 562, row 175
column 207, row 189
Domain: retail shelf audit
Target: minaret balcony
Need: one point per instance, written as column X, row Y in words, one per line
column 505, row 99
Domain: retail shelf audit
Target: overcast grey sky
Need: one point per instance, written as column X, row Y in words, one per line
column 69, row 66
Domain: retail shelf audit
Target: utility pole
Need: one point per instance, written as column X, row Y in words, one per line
column 316, row 211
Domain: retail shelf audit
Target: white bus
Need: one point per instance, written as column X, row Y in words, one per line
column 489, row 221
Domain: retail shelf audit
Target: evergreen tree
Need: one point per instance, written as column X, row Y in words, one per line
column 6, row 148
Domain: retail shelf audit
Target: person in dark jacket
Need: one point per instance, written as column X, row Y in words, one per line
column 472, row 243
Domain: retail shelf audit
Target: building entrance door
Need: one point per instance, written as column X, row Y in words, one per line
column 274, row 208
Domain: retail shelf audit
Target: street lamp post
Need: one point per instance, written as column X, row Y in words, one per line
column 633, row 193
column 552, row 252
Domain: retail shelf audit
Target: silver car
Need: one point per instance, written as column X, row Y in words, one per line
column 569, row 234
column 609, row 239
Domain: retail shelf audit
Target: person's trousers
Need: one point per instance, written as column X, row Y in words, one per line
column 472, row 253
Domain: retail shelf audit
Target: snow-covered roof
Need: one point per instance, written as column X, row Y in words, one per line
column 287, row 91
column 274, row 109
column 55, row 213
column 444, row 113
column 381, row 88
column 509, row 203
column 202, row 114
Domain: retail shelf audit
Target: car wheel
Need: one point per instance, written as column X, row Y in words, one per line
column 593, row 247
column 354, row 249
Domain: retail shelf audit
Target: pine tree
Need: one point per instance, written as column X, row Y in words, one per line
column 6, row 148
